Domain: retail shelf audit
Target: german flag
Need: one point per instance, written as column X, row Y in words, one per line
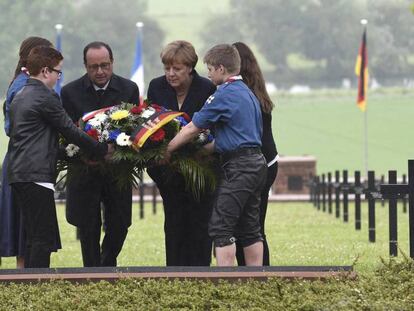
column 361, row 70
column 140, row 135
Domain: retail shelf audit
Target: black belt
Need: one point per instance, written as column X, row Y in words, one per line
column 228, row 155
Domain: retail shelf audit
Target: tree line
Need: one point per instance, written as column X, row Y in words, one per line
column 84, row 21
column 318, row 40
column 302, row 41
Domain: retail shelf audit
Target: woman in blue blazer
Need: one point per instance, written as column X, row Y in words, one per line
column 181, row 89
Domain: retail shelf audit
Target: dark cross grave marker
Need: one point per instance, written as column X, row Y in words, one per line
column 312, row 189
column 141, row 196
column 323, row 193
column 345, row 192
column 154, row 199
column 404, row 181
column 318, row 193
column 358, row 190
column 371, row 194
column 337, row 187
column 382, row 181
column 330, row 193
column 394, row 191
column 392, row 216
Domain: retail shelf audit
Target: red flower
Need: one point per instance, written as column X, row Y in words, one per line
column 157, row 108
column 186, row 117
column 158, row 135
column 138, row 109
column 93, row 133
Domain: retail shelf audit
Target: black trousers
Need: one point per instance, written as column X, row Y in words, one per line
column 187, row 242
column 271, row 176
column 37, row 204
column 95, row 255
column 236, row 212
column 95, row 201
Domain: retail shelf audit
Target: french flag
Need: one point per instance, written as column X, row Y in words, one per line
column 137, row 72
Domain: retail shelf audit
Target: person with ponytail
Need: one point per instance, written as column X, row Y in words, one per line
column 253, row 77
column 12, row 242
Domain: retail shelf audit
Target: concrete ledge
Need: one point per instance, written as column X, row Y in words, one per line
column 213, row 274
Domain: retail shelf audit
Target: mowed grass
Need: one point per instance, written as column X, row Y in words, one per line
column 328, row 125
column 298, row 234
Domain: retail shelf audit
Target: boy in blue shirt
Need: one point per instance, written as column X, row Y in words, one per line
column 234, row 113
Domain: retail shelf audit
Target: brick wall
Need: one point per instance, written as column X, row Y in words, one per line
column 293, row 175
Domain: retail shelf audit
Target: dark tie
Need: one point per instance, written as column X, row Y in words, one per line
column 100, row 93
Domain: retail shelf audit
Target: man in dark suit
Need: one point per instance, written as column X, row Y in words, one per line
column 98, row 88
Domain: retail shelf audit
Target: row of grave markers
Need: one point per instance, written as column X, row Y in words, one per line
column 326, row 193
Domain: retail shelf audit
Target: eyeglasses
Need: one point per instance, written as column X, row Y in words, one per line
column 103, row 66
column 59, row 72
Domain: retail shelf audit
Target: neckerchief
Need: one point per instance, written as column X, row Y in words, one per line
column 233, row 78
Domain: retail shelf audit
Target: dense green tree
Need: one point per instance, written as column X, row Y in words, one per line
column 221, row 29
column 84, row 21
column 333, row 34
column 100, row 20
column 392, row 38
column 20, row 19
column 324, row 33
column 261, row 22
column 275, row 26
column 330, row 35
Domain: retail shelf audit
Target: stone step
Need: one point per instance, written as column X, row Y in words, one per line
column 213, row 274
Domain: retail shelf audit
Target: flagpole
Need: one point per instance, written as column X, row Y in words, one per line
column 59, row 28
column 364, row 22
column 140, row 26
column 137, row 73
column 366, row 142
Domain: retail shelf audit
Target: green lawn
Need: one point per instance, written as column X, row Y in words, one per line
column 298, row 234
column 328, row 125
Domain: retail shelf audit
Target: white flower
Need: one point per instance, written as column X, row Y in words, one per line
column 102, row 117
column 123, row 140
column 104, row 136
column 202, row 138
column 71, row 150
column 95, row 122
column 148, row 112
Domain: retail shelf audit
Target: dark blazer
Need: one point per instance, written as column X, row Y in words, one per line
column 79, row 96
column 37, row 118
column 269, row 149
column 163, row 94
column 84, row 192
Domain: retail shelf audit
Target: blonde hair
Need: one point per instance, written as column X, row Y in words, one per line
column 179, row 51
column 225, row 55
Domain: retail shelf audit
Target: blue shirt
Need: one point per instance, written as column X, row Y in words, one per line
column 234, row 112
column 14, row 88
